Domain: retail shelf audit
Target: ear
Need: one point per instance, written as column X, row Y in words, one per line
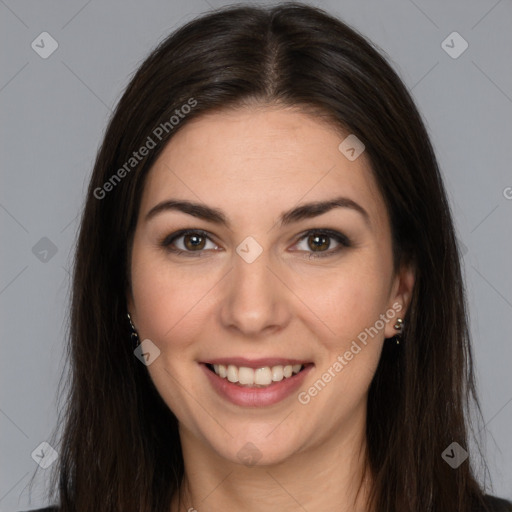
column 400, row 297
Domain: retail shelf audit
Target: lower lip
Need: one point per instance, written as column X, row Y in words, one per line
column 256, row 397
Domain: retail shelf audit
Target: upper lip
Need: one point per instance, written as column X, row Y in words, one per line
column 255, row 363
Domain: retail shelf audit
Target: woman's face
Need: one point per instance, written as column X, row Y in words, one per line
column 264, row 289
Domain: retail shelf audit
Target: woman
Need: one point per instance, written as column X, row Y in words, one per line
column 266, row 222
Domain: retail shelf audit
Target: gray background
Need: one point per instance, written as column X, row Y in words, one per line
column 54, row 113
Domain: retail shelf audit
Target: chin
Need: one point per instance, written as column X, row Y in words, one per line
column 258, row 449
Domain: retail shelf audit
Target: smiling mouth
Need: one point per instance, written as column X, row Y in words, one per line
column 256, row 378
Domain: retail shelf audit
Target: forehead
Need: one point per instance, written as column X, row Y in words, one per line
column 251, row 158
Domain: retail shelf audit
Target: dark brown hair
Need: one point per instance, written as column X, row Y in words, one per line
column 120, row 448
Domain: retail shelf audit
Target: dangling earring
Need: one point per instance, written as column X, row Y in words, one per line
column 399, row 326
column 133, row 334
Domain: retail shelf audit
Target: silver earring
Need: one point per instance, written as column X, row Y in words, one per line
column 399, row 326
column 133, row 334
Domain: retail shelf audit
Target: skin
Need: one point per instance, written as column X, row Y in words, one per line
column 255, row 163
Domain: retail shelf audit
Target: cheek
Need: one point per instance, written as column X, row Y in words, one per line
column 169, row 301
column 351, row 298
column 351, row 306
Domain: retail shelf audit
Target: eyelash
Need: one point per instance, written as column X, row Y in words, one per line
column 339, row 237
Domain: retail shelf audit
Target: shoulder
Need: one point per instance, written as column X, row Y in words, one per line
column 496, row 504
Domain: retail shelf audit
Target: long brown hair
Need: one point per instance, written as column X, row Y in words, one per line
column 120, row 449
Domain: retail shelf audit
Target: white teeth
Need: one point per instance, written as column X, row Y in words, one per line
column 260, row 377
column 246, row 376
column 232, row 373
column 277, row 373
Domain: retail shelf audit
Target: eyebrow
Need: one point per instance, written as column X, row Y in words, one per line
column 305, row 211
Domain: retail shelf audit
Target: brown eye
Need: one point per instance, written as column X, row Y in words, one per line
column 188, row 242
column 194, row 241
column 319, row 242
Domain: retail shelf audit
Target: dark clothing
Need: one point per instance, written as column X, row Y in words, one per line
column 496, row 504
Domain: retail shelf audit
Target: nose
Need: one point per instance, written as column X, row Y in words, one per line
column 255, row 300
